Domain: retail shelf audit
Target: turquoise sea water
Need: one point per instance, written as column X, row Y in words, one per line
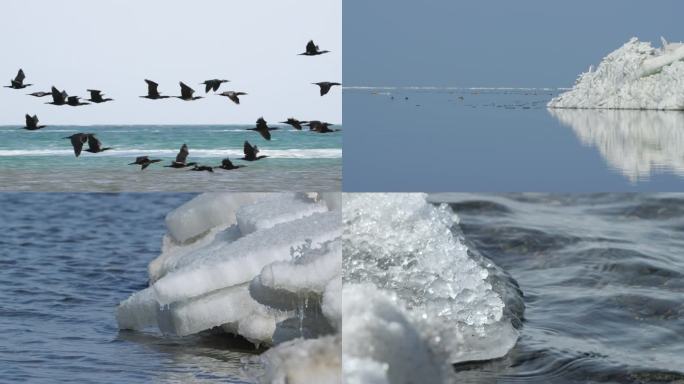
column 44, row 161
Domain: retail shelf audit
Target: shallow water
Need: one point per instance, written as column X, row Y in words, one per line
column 65, row 263
column 445, row 139
column 44, row 161
column 602, row 278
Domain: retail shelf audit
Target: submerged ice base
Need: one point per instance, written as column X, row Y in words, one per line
column 635, row 76
column 415, row 298
column 266, row 267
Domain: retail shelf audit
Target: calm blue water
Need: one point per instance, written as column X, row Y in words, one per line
column 43, row 161
column 441, row 139
column 66, row 260
column 603, row 284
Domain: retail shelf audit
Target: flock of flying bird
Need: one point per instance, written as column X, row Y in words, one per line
column 78, row 140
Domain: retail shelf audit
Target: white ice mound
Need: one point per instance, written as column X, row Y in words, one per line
column 636, row 76
column 317, row 361
column 636, row 143
column 444, row 299
column 221, row 246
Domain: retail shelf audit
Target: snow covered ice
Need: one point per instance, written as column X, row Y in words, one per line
column 416, row 299
column 635, row 76
column 266, row 267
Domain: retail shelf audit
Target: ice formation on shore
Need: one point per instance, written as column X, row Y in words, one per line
column 635, row 76
column 636, row 143
column 266, row 267
column 416, row 299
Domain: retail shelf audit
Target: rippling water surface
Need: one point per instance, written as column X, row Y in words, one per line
column 498, row 139
column 603, row 282
column 65, row 263
column 44, row 161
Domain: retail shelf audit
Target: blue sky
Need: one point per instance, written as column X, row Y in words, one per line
column 113, row 45
column 524, row 43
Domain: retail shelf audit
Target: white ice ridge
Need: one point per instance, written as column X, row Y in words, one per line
column 263, row 266
column 413, row 297
column 636, row 76
column 636, row 143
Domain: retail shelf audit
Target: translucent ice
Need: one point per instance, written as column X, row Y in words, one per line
column 636, row 76
column 447, row 304
column 275, row 210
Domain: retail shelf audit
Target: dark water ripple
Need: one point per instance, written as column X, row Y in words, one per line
column 603, row 279
column 65, row 263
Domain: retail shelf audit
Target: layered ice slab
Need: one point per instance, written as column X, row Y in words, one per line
column 636, row 76
column 266, row 267
column 416, row 299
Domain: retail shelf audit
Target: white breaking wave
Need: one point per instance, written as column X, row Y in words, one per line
column 635, row 76
column 313, row 153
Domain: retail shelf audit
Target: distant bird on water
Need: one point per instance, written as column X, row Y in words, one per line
column 181, row 157
column 296, row 124
column 187, row 92
column 202, row 168
column 251, row 152
column 94, row 145
column 233, row 96
column 96, row 96
column 32, row 123
column 325, row 86
column 153, row 91
column 40, row 94
column 312, row 50
column 18, row 82
column 77, row 141
column 213, row 84
column 144, row 162
column 58, row 98
column 228, row 165
column 75, row 101
column 262, row 128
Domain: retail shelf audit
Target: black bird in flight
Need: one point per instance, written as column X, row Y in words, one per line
column 312, row 50
column 251, row 152
column 187, row 92
column 296, row 124
column 181, row 158
column 320, row 127
column 325, row 86
column 213, row 84
column 262, row 128
column 77, row 141
column 58, row 98
column 202, row 168
column 144, row 162
column 96, row 96
column 94, row 145
column 228, row 165
column 40, row 94
column 32, row 123
column 233, row 96
column 153, row 92
column 75, row 101
column 18, row 82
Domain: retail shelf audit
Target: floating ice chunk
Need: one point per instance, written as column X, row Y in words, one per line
column 138, row 312
column 275, row 210
column 317, row 361
column 400, row 243
column 238, row 262
column 635, row 76
column 378, row 335
column 206, row 211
